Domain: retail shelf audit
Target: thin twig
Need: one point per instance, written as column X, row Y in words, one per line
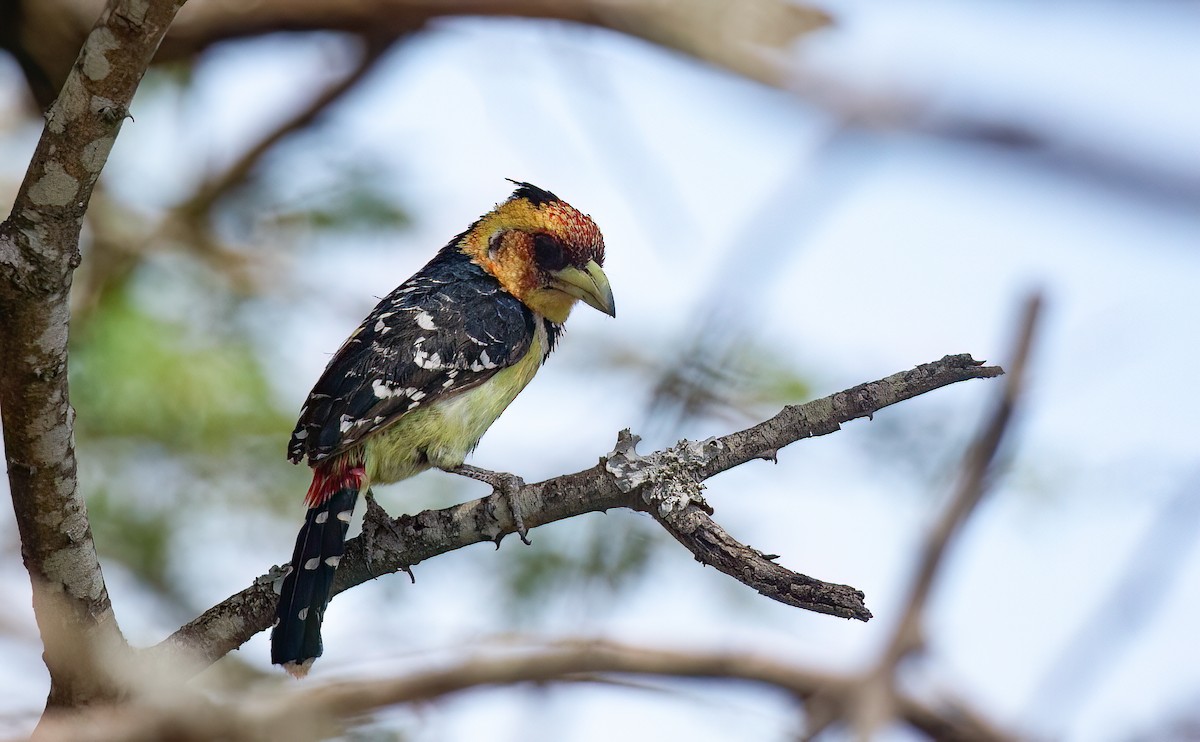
column 875, row 698
column 201, row 204
column 973, row 483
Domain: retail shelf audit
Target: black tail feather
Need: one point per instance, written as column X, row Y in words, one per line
column 296, row 637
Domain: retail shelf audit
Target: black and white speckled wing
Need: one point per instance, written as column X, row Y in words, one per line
column 445, row 330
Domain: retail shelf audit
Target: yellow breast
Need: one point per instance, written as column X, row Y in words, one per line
column 442, row 434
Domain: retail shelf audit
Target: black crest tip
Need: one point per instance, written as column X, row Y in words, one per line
column 532, row 193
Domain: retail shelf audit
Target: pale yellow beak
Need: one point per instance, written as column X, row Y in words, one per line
column 590, row 285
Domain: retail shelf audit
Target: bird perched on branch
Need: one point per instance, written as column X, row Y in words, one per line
column 426, row 374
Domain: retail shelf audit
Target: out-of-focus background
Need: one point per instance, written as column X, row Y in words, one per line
column 800, row 213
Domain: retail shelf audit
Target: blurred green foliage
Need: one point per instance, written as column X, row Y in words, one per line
column 138, row 537
column 353, row 202
column 167, row 410
column 136, row 375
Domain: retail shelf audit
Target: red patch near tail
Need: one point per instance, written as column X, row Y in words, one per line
column 332, row 476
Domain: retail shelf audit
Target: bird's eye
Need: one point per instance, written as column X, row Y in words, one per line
column 548, row 252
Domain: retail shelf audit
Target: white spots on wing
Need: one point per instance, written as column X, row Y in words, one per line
column 347, row 422
column 385, row 352
column 384, row 391
column 448, row 383
column 303, row 614
column 312, row 563
column 300, row 434
column 333, row 561
column 425, row 320
column 321, row 517
column 380, row 326
column 427, row 361
column 484, row 363
column 344, row 516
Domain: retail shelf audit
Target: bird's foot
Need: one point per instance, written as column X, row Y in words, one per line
column 507, row 485
column 381, row 532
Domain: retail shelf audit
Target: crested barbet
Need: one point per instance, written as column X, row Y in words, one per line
column 426, row 374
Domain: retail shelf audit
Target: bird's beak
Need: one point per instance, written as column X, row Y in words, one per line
column 589, row 284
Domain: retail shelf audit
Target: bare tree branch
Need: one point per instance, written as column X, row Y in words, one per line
column 39, row 249
column 388, row 545
column 973, row 483
column 122, row 237
column 671, row 492
column 875, row 698
column 750, row 37
column 200, row 204
column 321, row 712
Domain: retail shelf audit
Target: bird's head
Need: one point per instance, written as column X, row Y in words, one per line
column 543, row 251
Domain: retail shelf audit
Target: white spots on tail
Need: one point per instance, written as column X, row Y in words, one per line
column 425, row 321
column 333, row 561
column 345, row 516
column 303, row 614
column 321, row 517
column 312, row 563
